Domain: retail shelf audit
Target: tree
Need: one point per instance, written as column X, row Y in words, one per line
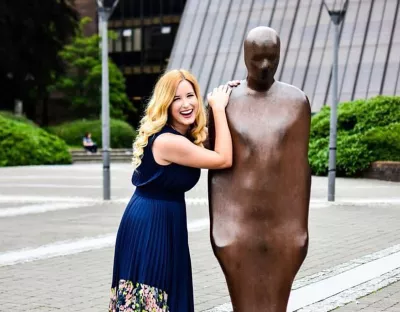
column 32, row 34
column 81, row 83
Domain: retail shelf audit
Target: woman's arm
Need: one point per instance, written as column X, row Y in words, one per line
column 210, row 140
column 171, row 148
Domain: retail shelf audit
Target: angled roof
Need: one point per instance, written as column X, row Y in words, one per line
column 209, row 43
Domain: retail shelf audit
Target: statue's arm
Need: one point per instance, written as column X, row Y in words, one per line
column 307, row 112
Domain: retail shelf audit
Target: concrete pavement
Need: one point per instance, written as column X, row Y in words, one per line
column 56, row 250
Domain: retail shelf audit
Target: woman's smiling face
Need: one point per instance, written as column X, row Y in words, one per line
column 184, row 107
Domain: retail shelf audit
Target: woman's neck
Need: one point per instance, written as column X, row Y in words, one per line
column 182, row 129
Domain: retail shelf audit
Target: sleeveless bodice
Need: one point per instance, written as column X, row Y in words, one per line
column 163, row 182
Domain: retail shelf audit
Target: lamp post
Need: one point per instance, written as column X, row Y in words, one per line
column 105, row 9
column 337, row 16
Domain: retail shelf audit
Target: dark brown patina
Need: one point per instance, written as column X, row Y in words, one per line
column 259, row 207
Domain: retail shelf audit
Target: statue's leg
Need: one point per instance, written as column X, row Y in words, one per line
column 260, row 277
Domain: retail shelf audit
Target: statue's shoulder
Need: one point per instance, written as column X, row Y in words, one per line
column 239, row 91
column 292, row 93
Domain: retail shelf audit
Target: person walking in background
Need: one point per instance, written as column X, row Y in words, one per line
column 152, row 268
column 88, row 143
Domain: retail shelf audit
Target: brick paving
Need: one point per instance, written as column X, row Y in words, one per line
column 80, row 282
column 386, row 299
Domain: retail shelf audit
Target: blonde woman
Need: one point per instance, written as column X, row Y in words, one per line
column 152, row 270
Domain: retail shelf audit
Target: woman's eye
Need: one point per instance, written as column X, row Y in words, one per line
column 190, row 95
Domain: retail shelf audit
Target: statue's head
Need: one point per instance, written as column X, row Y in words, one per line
column 261, row 53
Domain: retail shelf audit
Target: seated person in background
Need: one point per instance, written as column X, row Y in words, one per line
column 88, row 144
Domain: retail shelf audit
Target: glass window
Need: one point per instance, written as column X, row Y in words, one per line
column 127, row 34
column 110, row 45
column 137, row 39
column 118, row 42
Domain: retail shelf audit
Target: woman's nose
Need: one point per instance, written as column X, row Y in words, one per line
column 186, row 103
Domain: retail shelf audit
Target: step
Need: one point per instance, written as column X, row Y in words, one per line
column 91, row 154
column 116, row 155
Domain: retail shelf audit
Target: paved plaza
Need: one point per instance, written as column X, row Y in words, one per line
column 57, row 236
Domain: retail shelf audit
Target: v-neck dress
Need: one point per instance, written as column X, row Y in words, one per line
column 152, row 269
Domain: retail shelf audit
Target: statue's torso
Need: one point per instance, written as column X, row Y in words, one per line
column 268, row 184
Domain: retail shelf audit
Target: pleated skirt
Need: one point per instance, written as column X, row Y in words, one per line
column 152, row 269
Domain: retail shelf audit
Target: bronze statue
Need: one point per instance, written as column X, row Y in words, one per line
column 259, row 207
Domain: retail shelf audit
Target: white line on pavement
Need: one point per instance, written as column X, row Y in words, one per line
column 329, row 272
column 45, row 199
column 64, row 248
column 34, row 209
column 387, row 185
column 50, row 177
column 372, row 272
column 81, row 167
column 63, row 186
column 52, row 200
column 331, row 286
column 365, row 201
column 56, row 249
column 354, row 293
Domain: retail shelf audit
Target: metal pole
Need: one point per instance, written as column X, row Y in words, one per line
column 105, row 106
column 333, row 117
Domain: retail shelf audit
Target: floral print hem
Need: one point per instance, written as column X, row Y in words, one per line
column 137, row 297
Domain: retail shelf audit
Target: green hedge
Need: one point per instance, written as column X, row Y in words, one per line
column 121, row 133
column 10, row 115
column 368, row 130
column 23, row 144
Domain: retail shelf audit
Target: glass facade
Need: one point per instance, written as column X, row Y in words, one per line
column 145, row 33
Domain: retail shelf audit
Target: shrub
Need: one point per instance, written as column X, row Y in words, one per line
column 320, row 123
column 352, row 155
column 22, row 144
column 121, row 133
column 368, row 130
column 10, row 115
column 379, row 111
column 384, row 142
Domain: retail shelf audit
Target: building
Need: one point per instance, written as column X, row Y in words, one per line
column 210, row 38
column 145, row 35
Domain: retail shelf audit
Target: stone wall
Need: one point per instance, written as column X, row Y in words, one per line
column 383, row 170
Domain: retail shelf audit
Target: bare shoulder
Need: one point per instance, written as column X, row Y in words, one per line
column 165, row 144
column 168, row 140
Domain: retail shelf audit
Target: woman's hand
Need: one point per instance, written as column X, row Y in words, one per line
column 219, row 97
column 233, row 83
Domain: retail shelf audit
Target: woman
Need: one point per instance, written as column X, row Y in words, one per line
column 152, row 270
column 88, row 143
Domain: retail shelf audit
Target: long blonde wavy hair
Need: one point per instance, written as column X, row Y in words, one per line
column 157, row 112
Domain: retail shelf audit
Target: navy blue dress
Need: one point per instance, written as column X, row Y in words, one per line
column 152, row 270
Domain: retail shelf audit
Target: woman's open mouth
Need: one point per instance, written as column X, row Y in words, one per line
column 187, row 113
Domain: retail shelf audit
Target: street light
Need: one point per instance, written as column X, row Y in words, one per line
column 105, row 9
column 337, row 16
